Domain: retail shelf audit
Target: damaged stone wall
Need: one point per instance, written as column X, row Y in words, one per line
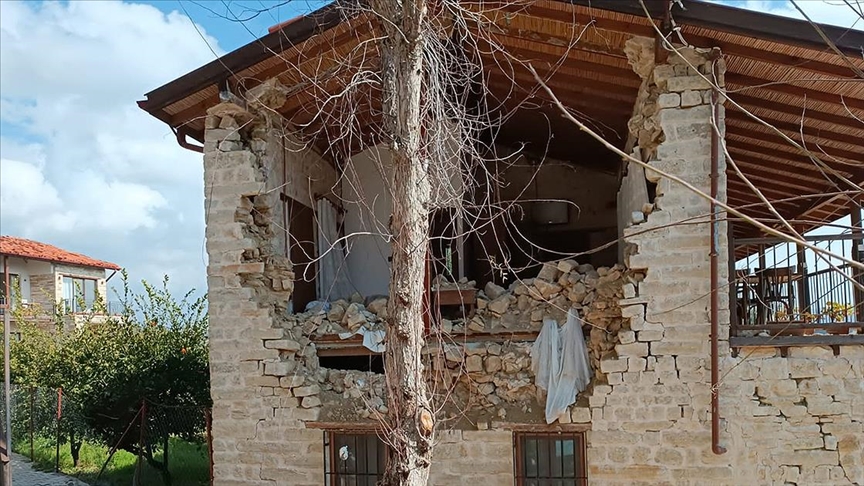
column 792, row 420
column 249, row 283
column 797, row 419
column 650, row 418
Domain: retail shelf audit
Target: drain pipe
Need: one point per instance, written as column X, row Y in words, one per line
column 715, row 249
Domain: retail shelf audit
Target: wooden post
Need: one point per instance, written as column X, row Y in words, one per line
column 139, row 463
column 857, row 245
column 208, row 421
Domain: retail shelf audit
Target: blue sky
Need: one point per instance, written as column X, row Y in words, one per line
column 83, row 168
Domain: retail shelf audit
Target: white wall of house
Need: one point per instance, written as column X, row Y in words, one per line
column 367, row 207
column 25, row 269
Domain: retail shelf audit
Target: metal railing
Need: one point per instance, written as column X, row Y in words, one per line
column 785, row 289
column 75, row 306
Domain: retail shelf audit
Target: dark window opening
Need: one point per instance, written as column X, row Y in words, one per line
column 353, row 458
column 445, row 244
column 302, row 251
column 550, row 460
column 652, row 191
column 547, row 210
column 372, row 362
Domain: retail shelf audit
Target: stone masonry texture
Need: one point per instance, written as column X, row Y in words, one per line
column 785, row 420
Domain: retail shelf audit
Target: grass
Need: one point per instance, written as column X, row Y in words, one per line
column 188, row 463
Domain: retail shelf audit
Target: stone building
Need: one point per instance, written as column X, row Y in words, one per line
column 707, row 368
column 46, row 280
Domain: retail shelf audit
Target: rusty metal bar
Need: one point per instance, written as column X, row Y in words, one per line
column 714, row 255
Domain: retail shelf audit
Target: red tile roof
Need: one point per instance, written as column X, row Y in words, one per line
column 20, row 247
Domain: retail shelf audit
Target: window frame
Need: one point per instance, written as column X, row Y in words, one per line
column 332, row 474
column 580, row 462
column 70, row 304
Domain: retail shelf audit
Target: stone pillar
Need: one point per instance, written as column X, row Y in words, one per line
column 652, row 423
column 257, row 434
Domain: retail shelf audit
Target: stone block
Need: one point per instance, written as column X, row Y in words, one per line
column 687, row 83
column 580, row 415
column 811, row 352
column 474, row 364
column 632, row 349
column 691, row 98
column 613, row 365
column 627, row 337
column 305, row 391
column 669, row 100
column 807, row 460
column 310, row 401
column 283, row 345
column 681, row 348
column 281, row 368
column 646, row 336
column 801, row 367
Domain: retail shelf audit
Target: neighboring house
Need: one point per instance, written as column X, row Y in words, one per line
column 716, row 356
column 48, row 281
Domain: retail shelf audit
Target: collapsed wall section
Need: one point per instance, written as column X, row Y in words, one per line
column 651, row 420
column 257, row 434
column 784, row 420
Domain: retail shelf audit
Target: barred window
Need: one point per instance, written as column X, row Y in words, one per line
column 353, row 458
column 550, row 459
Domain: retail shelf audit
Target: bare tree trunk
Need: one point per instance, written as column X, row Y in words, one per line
column 410, row 417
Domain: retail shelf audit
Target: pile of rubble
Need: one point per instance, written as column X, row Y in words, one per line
column 493, row 377
column 340, row 317
column 485, row 377
column 558, row 287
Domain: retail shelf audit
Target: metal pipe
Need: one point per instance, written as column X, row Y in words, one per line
column 181, row 140
column 715, row 249
column 7, row 382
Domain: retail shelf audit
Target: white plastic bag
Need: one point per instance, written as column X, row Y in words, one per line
column 559, row 360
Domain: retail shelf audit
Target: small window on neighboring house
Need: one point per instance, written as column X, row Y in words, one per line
column 14, row 286
column 353, row 458
column 550, row 460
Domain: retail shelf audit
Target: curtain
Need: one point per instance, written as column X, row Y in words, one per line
column 332, row 267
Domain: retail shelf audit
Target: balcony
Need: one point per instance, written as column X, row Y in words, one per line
column 785, row 293
column 76, row 306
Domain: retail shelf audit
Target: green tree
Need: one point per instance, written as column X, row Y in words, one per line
column 156, row 349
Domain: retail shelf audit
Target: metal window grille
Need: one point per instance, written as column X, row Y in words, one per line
column 550, row 460
column 353, row 458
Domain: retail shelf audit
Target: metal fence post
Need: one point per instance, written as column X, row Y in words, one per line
column 32, row 411
column 59, row 417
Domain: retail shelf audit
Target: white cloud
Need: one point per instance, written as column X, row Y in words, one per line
column 832, row 12
column 82, row 167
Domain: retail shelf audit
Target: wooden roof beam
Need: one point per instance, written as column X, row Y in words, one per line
column 791, row 87
column 753, row 101
column 789, row 153
column 750, row 129
column 794, row 173
column 733, row 113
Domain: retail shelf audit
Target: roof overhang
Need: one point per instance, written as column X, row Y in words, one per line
column 777, row 68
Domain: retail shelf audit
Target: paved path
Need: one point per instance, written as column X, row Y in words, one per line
column 24, row 475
